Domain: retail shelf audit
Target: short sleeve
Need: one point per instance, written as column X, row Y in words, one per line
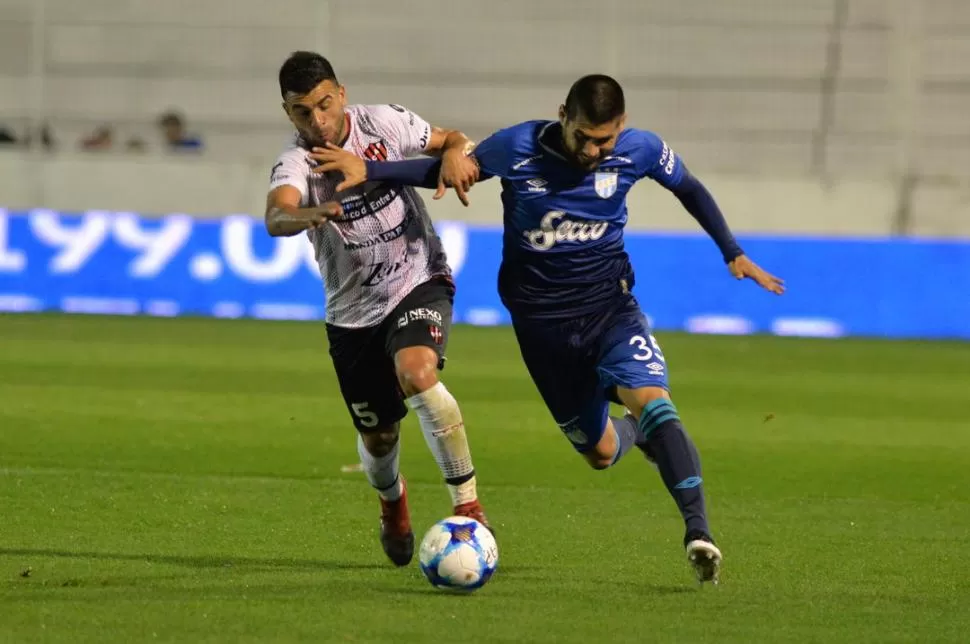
column 405, row 129
column 655, row 159
column 494, row 154
column 291, row 169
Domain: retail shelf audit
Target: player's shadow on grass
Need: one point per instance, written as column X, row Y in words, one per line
column 499, row 590
column 518, row 575
column 203, row 561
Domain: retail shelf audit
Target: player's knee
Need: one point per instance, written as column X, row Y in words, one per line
column 598, row 461
column 381, row 441
column 604, row 452
column 417, row 369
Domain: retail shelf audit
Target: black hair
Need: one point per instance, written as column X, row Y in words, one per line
column 596, row 98
column 171, row 118
column 303, row 71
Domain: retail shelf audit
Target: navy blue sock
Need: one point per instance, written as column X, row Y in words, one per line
column 627, row 434
column 664, row 438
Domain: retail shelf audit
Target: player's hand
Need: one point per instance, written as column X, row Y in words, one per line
column 335, row 158
column 742, row 267
column 328, row 210
column 315, row 218
column 457, row 171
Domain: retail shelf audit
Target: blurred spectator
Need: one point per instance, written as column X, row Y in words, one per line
column 101, row 139
column 46, row 138
column 7, row 137
column 176, row 137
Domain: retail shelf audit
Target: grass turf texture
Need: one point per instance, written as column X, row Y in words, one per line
column 180, row 480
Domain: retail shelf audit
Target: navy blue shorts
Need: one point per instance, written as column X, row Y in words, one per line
column 577, row 364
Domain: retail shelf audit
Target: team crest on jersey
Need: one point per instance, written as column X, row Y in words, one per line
column 376, row 152
column 605, row 184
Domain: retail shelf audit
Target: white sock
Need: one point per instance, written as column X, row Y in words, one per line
column 444, row 431
column 382, row 471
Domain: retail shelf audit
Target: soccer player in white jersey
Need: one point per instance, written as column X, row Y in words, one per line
column 389, row 290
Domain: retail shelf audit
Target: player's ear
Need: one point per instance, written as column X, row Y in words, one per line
column 288, row 109
column 622, row 122
column 562, row 114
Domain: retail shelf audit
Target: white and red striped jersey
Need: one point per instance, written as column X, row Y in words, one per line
column 384, row 244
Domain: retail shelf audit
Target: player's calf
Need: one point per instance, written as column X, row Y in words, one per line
column 379, row 453
column 663, row 437
column 381, row 441
column 440, row 419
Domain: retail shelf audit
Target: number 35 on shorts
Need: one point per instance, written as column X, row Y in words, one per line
column 648, row 352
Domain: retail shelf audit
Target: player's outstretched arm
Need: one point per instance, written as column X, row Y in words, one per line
column 489, row 158
column 699, row 202
column 656, row 159
column 284, row 217
column 422, row 172
column 444, row 141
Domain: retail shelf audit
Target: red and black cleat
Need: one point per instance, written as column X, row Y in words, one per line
column 474, row 510
column 397, row 537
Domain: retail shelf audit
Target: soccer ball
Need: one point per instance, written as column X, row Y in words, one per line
column 458, row 553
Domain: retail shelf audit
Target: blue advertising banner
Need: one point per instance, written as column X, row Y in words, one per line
column 123, row 263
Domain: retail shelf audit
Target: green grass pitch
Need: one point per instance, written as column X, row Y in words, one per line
column 180, row 480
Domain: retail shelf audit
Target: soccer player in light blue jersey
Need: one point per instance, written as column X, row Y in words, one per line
column 567, row 280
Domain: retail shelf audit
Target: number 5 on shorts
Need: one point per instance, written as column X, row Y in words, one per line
column 367, row 418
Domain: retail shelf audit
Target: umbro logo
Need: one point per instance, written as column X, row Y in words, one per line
column 537, row 185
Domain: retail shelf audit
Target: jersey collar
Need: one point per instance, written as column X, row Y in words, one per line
column 549, row 129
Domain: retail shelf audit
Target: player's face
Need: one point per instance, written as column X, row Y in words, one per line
column 587, row 144
column 319, row 115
